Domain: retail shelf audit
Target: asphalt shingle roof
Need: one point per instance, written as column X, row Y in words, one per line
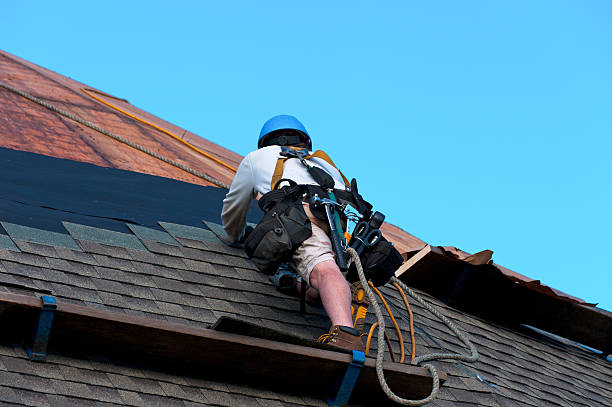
column 199, row 281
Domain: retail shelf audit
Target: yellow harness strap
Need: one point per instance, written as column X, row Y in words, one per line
column 280, row 166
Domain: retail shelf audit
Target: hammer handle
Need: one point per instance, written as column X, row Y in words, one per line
column 335, row 240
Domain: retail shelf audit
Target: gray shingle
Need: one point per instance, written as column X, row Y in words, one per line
column 8, row 395
column 105, row 394
column 23, row 270
column 144, row 233
column 132, row 398
column 86, row 376
column 172, row 390
column 226, row 271
column 152, row 400
column 37, row 249
column 71, row 389
column 200, row 315
column 160, row 271
column 174, row 310
column 175, row 285
column 194, row 395
column 147, row 386
column 26, row 258
column 193, row 244
column 162, row 248
column 74, row 255
column 103, row 236
column 72, row 267
column 219, row 398
column 199, row 266
column 29, row 234
column 122, row 381
column 114, row 299
column 115, row 263
column 188, row 232
column 125, row 276
column 199, row 278
column 30, row 398
column 18, row 365
column 167, row 296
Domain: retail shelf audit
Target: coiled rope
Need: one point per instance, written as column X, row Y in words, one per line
column 95, row 127
column 428, row 357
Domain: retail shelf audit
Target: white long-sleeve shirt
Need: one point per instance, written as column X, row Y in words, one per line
column 255, row 175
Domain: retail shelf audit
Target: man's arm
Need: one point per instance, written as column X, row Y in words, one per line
column 237, row 200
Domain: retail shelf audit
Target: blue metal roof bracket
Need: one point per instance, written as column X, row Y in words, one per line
column 349, row 380
column 38, row 352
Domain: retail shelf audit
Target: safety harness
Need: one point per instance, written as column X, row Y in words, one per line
column 302, row 154
column 326, row 183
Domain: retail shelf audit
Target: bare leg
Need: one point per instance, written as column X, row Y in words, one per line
column 334, row 291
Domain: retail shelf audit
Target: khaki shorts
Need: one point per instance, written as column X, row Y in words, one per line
column 314, row 250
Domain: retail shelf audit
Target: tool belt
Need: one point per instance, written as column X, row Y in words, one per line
column 379, row 262
column 282, row 229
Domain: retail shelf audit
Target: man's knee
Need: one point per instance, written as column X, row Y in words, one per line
column 324, row 271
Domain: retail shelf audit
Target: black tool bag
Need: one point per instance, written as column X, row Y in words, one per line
column 282, row 229
column 379, row 263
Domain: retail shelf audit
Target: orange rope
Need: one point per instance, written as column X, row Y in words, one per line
column 413, row 350
column 157, row 128
column 367, row 348
column 397, row 329
column 372, row 328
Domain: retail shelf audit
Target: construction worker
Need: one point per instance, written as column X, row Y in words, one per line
column 314, row 258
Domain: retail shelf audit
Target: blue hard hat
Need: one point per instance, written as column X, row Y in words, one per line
column 282, row 122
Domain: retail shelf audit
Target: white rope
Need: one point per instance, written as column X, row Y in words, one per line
column 93, row 126
column 472, row 357
column 381, row 343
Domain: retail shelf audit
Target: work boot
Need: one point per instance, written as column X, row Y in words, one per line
column 343, row 337
column 359, row 305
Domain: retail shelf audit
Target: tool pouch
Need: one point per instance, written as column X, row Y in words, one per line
column 379, row 263
column 282, row 229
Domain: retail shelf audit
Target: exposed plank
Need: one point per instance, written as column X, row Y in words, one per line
column 413, row 260
column 207, row 352
column 241, row 327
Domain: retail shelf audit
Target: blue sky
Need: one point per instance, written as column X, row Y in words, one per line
column 480, row 125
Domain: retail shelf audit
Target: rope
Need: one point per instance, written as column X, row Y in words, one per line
column 413, row 349
column 367, row 347
column 447, row 356
column 93, row 126
column 205, row 154
column 381, row 341
column 397, row 329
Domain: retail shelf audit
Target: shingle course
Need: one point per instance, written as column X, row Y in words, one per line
column 76, row 255
column 131, row 398
column 70, row 388
column 170, row 251
column 29, row 398
column 194, row 395
column 106, row 394
column 36, row 248
column 8, row 395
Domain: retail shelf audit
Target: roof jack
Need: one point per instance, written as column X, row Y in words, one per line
column 38, row 351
